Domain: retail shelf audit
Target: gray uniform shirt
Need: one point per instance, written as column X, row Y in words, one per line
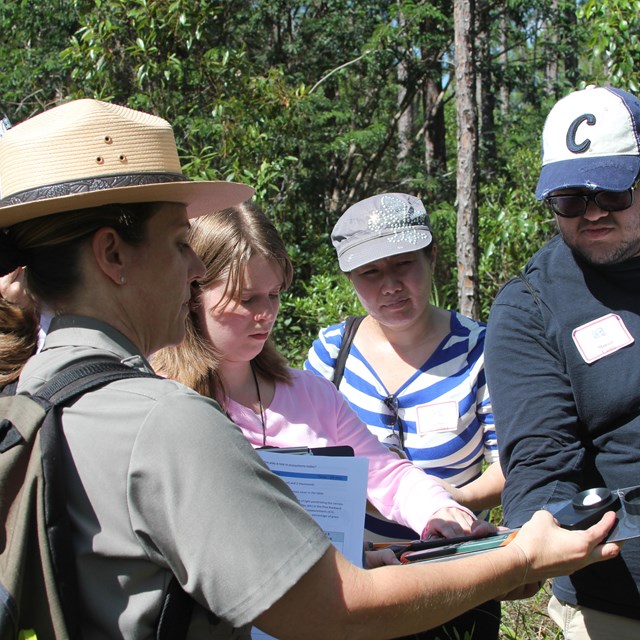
column 161, row 483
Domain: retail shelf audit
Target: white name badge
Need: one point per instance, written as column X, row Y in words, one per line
column 600, row 337
column 437, row 417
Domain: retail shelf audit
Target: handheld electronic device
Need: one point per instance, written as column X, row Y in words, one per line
column 587, row 507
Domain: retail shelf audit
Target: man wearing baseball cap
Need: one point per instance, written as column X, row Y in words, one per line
column 563, row 349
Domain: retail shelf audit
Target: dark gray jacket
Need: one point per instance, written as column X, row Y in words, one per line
column 565, row 424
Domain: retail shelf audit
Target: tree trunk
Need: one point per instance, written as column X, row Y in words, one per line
column 485, row 96
column 467, row 187
column 551, row 67
column 571, row 65
column 433, row 129
column 505, row 91
column 405, row 122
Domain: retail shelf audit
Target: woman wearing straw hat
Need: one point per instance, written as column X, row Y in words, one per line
column 159, row 482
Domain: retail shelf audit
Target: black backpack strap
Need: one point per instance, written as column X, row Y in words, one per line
column 61, row 390
column 175, row 615
column 351, row 325
column 66, row 386
column 88, row 375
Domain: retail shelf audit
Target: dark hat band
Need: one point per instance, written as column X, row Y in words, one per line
column 87, row 185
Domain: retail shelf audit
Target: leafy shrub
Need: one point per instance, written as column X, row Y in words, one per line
column 325, row 299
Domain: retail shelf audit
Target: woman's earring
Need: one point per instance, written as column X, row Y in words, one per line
column 122, row 280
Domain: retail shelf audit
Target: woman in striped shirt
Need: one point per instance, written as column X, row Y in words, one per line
column 414, row 372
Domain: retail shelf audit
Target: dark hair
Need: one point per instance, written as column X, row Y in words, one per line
column 49, row 248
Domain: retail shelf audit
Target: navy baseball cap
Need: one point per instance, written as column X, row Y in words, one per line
column 591, row 139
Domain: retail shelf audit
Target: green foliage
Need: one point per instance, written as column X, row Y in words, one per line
column 614, row 28
column 513, row 225
column 326, row 298
column 33, row 74
column 172, row 58
column 300, row 100
column 445, row 284
column 528, row 619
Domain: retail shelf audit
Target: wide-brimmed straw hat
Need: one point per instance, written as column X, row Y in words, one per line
column 88, row 153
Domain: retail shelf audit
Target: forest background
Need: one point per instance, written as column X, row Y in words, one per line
column 320, row 104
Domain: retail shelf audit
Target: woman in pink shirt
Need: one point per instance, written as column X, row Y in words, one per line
column 228, row 355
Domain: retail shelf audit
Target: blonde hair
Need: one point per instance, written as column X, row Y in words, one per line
column 225, row 241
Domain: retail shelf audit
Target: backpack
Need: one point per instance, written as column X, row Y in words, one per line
column 351, row 325
column 38, row 585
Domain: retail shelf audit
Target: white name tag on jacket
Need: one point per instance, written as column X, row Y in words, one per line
column 601, row 337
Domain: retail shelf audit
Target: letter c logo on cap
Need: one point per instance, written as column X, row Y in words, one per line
column 572, row 145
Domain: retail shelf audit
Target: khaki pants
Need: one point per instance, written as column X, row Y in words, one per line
column 582, row 623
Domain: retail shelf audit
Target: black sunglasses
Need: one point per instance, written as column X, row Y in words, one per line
column 391, row 402
column 572, row 206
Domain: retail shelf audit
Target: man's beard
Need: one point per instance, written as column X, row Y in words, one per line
column 624, row 250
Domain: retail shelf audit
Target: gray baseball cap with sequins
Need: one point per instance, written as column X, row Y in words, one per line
column 379, row 227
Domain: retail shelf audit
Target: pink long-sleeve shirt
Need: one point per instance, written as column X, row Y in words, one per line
column 311, row 412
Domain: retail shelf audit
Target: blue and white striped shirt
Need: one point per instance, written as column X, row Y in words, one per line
column 444, row 406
